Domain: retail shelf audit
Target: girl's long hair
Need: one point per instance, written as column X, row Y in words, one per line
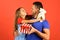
column 16, row 17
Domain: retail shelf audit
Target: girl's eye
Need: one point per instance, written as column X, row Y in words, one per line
column 22, row 10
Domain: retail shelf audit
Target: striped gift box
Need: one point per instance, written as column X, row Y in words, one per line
column 25, row 28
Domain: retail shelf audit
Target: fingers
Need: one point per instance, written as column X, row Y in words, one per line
column 16, row 34
column 31, row 31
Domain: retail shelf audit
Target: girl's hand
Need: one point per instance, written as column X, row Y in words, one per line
column 16, row 33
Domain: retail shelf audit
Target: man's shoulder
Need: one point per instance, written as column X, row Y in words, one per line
column 46, row 24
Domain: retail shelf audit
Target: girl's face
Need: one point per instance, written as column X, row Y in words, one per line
column 22, row 12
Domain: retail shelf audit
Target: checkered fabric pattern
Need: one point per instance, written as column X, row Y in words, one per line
column 25, row 28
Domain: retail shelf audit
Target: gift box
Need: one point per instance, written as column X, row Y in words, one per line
column 25, row 28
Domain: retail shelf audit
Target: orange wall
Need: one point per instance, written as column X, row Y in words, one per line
column 7, row 15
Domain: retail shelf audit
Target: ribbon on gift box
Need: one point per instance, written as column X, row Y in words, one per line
column 25, row 28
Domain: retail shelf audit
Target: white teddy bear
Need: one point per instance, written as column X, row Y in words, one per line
column 42, row 14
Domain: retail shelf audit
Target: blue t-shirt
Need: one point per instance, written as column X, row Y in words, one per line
column 39, row 26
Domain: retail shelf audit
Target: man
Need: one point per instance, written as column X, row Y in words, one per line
column 40, row 30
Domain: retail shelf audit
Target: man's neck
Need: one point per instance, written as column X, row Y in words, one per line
column 35, row 16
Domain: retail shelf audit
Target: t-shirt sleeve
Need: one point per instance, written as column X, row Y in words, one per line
column 19, row 20
column 46, row 25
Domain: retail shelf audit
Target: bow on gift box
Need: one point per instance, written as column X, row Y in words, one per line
column 25, row 28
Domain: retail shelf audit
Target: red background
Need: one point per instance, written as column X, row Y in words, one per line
column 7, row 15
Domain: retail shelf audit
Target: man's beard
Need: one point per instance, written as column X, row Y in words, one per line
column 35, row 15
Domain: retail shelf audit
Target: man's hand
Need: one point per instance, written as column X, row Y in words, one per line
column 32, row 30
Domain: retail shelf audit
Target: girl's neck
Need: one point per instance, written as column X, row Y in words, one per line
column 23, row 17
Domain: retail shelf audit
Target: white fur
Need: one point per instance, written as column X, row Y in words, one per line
column 42, row 13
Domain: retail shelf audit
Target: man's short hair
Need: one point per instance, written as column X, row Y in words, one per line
column 38, row 5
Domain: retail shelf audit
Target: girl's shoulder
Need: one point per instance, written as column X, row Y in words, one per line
column 19, row 20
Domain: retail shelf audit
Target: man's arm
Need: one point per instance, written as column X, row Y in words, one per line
column 44, row 35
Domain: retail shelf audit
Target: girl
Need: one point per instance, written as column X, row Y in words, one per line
column 20, row 18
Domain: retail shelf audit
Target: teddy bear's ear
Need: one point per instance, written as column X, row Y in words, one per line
column 43, row 11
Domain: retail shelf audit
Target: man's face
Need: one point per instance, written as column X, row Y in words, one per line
column 34, row 9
